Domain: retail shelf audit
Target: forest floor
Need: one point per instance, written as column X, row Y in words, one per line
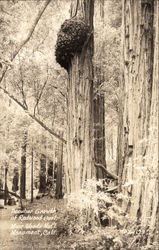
column 59, row 241
column 106, row 238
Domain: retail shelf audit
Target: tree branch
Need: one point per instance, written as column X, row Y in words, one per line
column 22, row 83
column 55, row 87
column 46, row 128
column 112, row 189
column 33, row 116
column 112, row 176
column 28, row 37
column 41, row 92
column 12, row 193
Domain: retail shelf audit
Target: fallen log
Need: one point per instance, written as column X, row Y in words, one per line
column 110, row 175
column 16, row 195
column 12, row 193
column 113, row 189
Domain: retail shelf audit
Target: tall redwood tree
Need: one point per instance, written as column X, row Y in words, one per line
column 80, row 105
column 138, row 152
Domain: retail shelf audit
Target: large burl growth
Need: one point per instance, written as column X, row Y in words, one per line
column 70, row 40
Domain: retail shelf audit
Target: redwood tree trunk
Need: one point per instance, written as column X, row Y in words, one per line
column 32, row 175
column 5, row 187
column 80, row 107
column 42, row 187
column 99, row 127
column 139, row 145
column 23, row 168
column 59, row 194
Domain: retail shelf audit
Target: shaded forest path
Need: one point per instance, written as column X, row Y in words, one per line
column 101, row 238
column 8, row 241
column 59, row 241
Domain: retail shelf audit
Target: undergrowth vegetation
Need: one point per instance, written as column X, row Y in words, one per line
column 93, row 210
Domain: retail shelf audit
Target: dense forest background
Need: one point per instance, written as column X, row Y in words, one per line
column 86, row 132
column 34, row 84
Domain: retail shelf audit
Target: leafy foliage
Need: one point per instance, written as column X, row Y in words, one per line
column 121, row 232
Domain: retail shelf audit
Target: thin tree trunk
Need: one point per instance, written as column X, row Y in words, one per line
column 5, row 187
column 42, row 187
column 99, row 127
column 120, row 148
column 59, row 194
column 32, row 174
column 50, row 168
column 23, row 168
column 50, row 174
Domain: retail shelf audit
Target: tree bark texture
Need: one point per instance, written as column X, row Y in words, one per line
column 32, row 174
column 23, row 167
column 50, row 169
column 42, row 187
column 99, row 126
column 80, row 107
column 5, row 187
column 59, row 194
column 138, row 160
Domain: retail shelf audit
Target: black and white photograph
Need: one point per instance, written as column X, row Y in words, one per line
column 79, row 124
